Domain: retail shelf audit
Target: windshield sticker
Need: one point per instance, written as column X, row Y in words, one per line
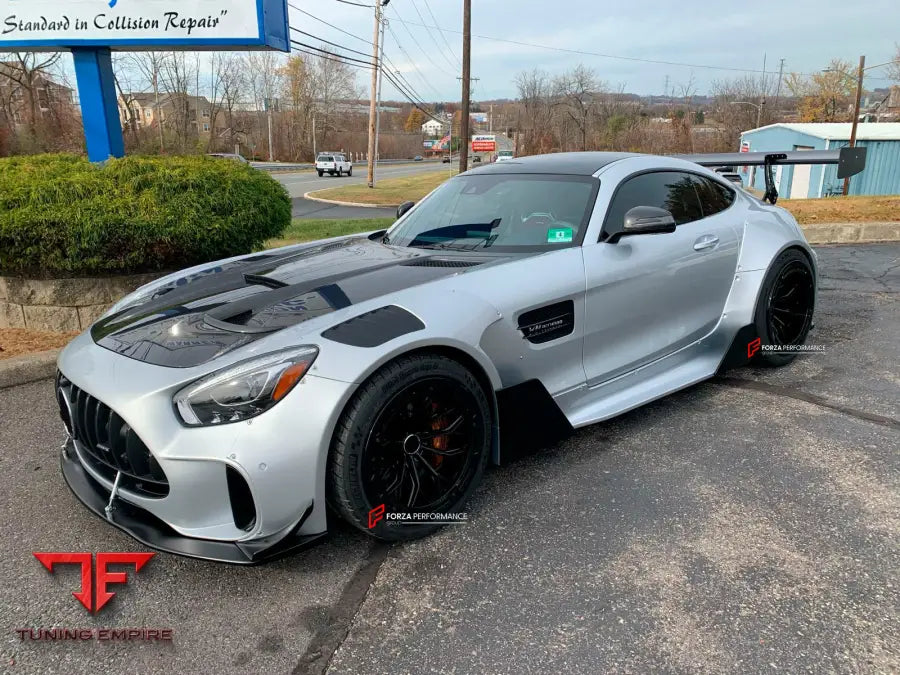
column 559, row 235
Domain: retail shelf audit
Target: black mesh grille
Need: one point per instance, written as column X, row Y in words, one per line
column 431, row 262
column 108, row 444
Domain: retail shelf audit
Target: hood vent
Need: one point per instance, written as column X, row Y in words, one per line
column 434, row 262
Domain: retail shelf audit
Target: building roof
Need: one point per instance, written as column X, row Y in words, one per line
column 840, row 131
column 566, row 163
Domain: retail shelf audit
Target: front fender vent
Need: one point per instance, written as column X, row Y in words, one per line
column 549, row 323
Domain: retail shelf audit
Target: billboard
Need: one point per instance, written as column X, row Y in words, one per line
column 52, row 25
column 484, row 143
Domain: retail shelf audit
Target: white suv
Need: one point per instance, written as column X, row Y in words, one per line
column 335, row 164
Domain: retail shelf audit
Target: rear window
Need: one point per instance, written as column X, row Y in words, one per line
column 326, row 158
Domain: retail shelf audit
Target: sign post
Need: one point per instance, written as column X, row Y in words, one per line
column 92, row 29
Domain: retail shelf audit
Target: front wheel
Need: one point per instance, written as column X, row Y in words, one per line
column 414, row 439
column 784, row 314
column 350, row 172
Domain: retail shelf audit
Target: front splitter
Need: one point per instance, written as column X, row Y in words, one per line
column 156, row 534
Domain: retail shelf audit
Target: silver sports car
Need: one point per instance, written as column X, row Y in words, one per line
column 223, row 412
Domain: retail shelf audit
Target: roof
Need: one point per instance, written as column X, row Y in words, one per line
column 571, row 163
column 840, row 131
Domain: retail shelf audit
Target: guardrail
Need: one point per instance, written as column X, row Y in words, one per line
column 287, row 166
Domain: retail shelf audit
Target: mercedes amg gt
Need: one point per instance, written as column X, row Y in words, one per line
column 227, row 411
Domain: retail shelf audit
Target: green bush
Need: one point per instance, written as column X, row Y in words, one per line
column 62, row 216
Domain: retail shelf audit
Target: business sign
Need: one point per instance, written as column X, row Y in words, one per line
column 428, row 144
column 484, row 143
column 54, row 25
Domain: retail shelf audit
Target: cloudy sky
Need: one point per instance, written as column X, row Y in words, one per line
column 735, row 35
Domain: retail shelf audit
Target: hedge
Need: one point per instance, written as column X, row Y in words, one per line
column 61, row 216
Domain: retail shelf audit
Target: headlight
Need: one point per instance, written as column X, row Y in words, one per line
column 244, row 390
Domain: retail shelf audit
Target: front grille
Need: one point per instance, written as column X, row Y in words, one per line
column 108, row 444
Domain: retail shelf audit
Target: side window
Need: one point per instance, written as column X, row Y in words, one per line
column 714, row 198
column 670, row 190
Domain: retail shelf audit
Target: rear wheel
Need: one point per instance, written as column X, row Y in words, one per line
column 321, row 173
column 784, row 315
column 350, row 172
column 415, row 438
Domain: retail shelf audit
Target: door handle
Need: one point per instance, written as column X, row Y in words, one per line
column 705, row 242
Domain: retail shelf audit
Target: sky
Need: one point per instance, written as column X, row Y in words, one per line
column 736, row 35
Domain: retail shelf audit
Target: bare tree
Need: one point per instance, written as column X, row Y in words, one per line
column 29, row 72
column 534, row 96
column 576, row 91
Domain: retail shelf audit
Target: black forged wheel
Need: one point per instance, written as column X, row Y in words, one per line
column 784, row 314
column 415, row 437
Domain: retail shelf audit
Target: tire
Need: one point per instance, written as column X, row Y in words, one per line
column 379, row 443
column 784, row 312
column 350, row 172
column 321, row 173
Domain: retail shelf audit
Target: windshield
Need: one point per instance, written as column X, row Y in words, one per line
column 502, row 212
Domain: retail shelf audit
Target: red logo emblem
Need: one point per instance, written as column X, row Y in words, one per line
column 86, row 596
column 753, row 347
column 375, row 516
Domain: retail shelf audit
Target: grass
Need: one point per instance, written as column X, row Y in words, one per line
column 844, row 209
column 390, row 191
column 301, row 231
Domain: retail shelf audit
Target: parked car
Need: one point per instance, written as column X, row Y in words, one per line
column 418, row 158
column 476, row 159
column 335, row 164
column 505, row 155
column 234, row 157
column 215, row 412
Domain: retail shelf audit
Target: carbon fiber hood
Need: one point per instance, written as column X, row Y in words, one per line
column 196, row 319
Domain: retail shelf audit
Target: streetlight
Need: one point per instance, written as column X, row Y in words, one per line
column 758, row 106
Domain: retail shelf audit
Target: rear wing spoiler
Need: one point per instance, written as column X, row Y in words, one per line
column 850, row 162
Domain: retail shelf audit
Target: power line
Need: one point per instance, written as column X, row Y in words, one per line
column 341, row 30
column 584, row 52
column 368, row 64
column 411, row 61
column 427, row 55
column 431, row 35
column 333, row 44
column 443, row 37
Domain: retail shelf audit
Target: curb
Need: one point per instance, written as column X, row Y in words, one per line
column 851, row 233
column 28, row 368
column 309, row 196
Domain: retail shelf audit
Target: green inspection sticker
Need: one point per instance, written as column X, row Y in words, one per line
column 559, row 235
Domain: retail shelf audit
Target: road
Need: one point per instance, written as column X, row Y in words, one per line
column 298, row 184
column 747, row 524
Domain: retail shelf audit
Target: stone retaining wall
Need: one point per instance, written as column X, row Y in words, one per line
column 61, row 305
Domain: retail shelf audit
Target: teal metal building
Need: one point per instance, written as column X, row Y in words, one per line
column 880, row 177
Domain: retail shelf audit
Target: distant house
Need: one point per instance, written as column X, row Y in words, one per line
column 880, row 177
column 434, row 128
column 49, row 96
column 142, row 110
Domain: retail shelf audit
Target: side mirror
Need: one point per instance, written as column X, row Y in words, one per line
column 404, row 208
column 643, row 220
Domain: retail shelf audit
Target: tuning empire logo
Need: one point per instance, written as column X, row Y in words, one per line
column 94, row 595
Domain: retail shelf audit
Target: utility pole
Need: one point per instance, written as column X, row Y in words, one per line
column 778, row 90
column 466, row 87
column 378, row 103
column 269, row 111
column 373, row 105
column 314, row 138
column 762, row 101
column 859, row 86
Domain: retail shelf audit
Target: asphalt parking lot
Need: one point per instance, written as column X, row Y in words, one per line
column 750, row 523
